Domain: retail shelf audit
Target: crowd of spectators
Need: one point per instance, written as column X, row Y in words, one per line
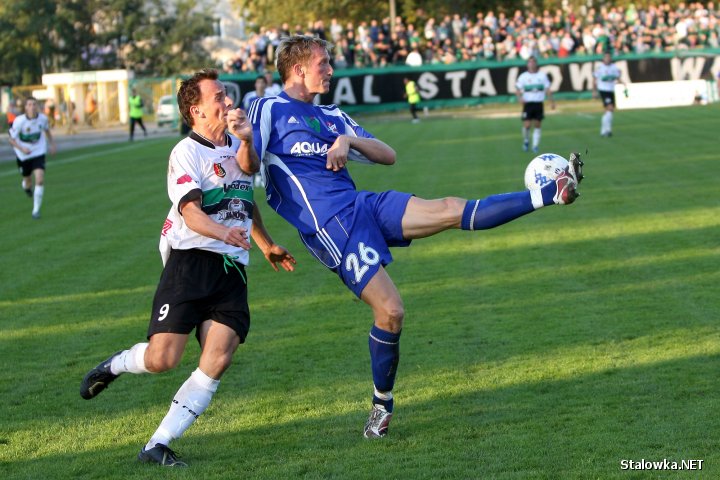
column 496, row 36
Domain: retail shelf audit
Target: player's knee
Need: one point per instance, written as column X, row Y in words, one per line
column 214, row 365
column 391, row 318
column 160, row 363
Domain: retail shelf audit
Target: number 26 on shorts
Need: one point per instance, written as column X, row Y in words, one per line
column 360, row 265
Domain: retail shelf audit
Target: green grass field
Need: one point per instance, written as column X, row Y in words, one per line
column 555, row 346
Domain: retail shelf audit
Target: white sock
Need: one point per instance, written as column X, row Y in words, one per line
column 130, row 361
column 536, row 138
column 606, row 124
column 383, row 395
column 525, row 134
column 37, row 198
column 190, row 401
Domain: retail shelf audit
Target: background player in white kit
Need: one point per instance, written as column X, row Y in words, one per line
column 203, row 284
column 30, row 137
column 606, row 75
column 304, row 149
column 532, row 88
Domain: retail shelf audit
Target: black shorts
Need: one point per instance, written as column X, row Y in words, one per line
column 26, row 167
column 608, row 98
column 197, row 285
column 533, row 111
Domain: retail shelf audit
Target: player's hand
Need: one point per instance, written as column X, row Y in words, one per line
column 239, row 125
column 53, row 149
column 278, row 254
column 237, row 237
column 337, row 155
column 595, row 94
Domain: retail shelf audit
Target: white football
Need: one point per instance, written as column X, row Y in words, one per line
column 543, row 169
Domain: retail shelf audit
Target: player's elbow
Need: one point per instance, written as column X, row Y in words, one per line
column 388, row 156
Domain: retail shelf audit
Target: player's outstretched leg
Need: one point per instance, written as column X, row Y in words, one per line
column 124, row 361
column 98, row 379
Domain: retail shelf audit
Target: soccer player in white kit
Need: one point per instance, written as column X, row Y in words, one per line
column 203, row 283
column 30, row 137
column 606, row 75
column 304, row 149
column 532, row 88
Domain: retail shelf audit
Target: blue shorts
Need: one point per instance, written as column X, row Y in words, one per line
column 355, row 243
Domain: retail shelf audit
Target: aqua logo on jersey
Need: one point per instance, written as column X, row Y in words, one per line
column 313, row 123
column 219, row 170
column 309, row 148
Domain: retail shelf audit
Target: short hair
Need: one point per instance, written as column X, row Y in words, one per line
column 189, row 92
column 297, row 49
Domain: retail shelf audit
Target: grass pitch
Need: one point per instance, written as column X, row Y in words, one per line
column 555, row 346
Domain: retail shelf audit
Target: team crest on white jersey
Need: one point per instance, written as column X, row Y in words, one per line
column 308, row 148
column 219, row 170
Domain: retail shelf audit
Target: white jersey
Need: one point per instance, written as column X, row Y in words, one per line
column 533, row 86
column 273, row 90
column 200, row 170
column 607, row 76
column 30, row 133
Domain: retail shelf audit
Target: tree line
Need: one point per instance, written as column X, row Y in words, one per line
column 151, row 37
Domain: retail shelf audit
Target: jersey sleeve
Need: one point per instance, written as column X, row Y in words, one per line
column 260, row 115
column 352, row 127
column 184, row 179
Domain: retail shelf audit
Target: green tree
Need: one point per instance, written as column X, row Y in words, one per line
column 26, row 39
column 169, row 42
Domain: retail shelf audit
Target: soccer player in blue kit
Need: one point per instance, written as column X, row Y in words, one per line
column 304, row 148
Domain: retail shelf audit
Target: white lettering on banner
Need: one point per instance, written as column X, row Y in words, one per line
column 455, row 78
column 344, row 92
column 687, row 69
column 715, row 69
column 581, row 76
column 554, row 74
column 368, row 96
column 483, row 84
column 512, row 80
column 427, row 86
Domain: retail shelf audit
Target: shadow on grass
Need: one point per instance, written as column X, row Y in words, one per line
column 576, row 428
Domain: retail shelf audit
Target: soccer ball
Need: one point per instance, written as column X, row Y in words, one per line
column 543, row 169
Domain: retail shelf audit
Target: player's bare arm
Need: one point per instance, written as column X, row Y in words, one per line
column 239, row 126
column 199, row 222
column 17, row 145
column 273, row 252
column 51, row 142
column 375, row 150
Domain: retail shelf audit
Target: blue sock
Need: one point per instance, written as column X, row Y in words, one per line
column 548, row 193
column 495, row 210
column 384, row 358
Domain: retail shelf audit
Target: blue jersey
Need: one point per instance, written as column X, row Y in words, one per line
column 292, row 139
